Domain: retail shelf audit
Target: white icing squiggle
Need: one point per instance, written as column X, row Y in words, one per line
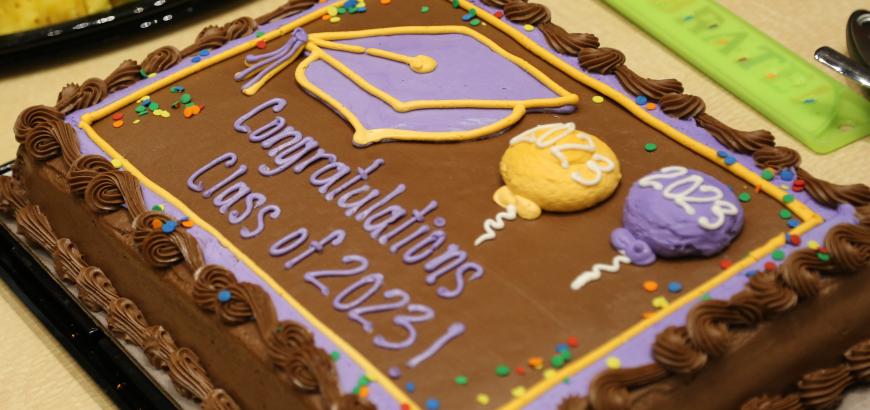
column 595, row 273
column 496, row 224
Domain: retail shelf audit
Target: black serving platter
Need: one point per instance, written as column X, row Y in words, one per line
column 117, row 374
column 138, row 16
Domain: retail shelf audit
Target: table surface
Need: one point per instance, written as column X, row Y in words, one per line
column 38, row 373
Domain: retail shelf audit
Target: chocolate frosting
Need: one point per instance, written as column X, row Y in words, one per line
column 211, row 279
column 708, row 326
column 849, row 246
column 188, row 376
column 521, row 12
column 12, row 196
column 744, row 142
column 308, row 368
column 770, row 292
column 126, row 321
column 858, row 357
column 95, row 290
column 573, row 402
column 160, row 251
column 831, row 194
column 161, row 59
column 239, row 28
column 208, row 38
column 765, row 402
column 67, row 95
column 31, row 117
column 610, row 389
column 601, row 60
column 496, row 3
column 83, row 170
column 50, row 139
column 40, row 143
column 91, row 92
column 218, row 399
column 143, row 225
column 68, row 260
column 34, row 226
column 800, row 272
column 648, row 87
column 110, row 191
column 673, row 351
column 292, row 7
column 682, row 106
column 124, row 76
column 823, row 389
column 158, row 346
column 776, row 157
column 567, row 43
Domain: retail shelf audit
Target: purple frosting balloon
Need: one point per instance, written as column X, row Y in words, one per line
column 682, row 212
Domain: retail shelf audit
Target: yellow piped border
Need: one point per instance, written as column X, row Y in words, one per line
column 363, row 136
column 808, row 216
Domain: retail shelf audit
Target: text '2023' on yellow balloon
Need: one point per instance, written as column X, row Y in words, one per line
column 556, row 168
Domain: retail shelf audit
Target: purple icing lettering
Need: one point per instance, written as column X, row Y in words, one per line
column 374, row 281
column 356, row 314
column 319, row 155
column 271, row 128
column 351, row 207
column 272, row 211
column 408, row 239
column 277, row 104
column 425, row 248
column 422, row 313
column 324, row 183
column 289, row 242
column 377, row 222
column 459, row 275
column 362, row 174
column 453, row 331
column 334, row 238
column 242, row 170
column 386, row 199
column 286, row 154
column 313, row 277
column 252, row 202
column 228, row 159
column 228, row 197
column 417, row 216
column 446, row 261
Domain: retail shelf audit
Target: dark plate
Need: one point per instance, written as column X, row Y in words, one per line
column 138, row 16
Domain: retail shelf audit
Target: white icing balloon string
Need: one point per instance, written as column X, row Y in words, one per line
column 496, row 224
column 595, row 273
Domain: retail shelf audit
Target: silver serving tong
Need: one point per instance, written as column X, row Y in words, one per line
column 858, row 42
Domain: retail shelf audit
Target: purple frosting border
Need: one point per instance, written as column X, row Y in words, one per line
column 635, row 352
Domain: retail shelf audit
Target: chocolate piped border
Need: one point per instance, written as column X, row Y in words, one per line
column 124, row 318
column 290, row 346
column 822, row 388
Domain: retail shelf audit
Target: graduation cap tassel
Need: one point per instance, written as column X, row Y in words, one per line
column 262, row 67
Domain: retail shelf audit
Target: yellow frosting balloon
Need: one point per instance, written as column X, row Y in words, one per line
column 556, row 168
